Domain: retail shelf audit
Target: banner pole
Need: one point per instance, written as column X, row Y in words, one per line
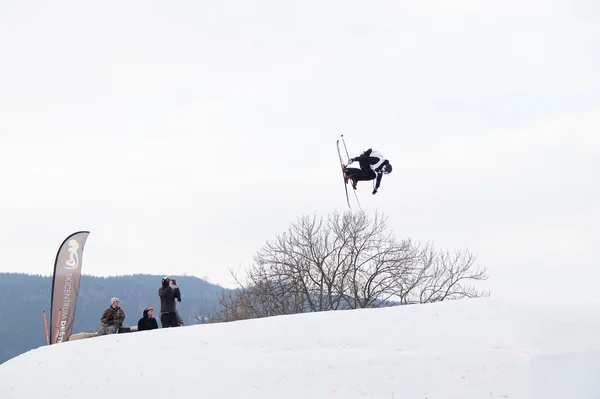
column 57, row 324
column 46, row 328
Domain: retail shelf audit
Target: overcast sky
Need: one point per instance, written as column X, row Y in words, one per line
column 185, row 134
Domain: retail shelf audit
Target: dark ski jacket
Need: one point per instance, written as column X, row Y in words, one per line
column 167, row 296
column 146, row 323
column 365, row 159
column 113, row 316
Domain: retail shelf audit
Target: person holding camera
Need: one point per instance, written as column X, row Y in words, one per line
column 168, row 309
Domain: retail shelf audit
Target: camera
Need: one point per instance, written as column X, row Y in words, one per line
column 174, row 282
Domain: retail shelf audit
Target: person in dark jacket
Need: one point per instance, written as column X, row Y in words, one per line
column 168, row 310
column 372, row 166
column 112, row 318
column 147, row 322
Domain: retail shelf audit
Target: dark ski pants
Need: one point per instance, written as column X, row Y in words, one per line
column 364, row 173
column 169, row 319
column 361, row 174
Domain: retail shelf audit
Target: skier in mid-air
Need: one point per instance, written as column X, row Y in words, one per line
column 372, row 166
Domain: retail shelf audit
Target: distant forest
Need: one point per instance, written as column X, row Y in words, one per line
column 24, row 297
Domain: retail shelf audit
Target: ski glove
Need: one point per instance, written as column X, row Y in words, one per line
column 350, row 161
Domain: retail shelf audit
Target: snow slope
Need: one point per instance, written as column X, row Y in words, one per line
column 468, row 349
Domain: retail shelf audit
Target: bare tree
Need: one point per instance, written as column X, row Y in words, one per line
column 347, row 261
column 448, row 276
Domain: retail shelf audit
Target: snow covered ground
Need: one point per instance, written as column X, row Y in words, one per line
column 468, row 349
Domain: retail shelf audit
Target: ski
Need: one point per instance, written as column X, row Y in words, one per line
column 348, row 155
column 343, row 174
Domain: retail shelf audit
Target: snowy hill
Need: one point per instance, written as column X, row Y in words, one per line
column 468, row 349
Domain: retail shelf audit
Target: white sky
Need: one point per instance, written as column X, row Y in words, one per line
column 184, row 135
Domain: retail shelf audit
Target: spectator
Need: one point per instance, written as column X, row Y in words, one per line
column 168, row 310
column 112, row 318
column 147, row 322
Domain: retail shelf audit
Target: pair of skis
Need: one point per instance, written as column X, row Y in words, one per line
column 343, row 173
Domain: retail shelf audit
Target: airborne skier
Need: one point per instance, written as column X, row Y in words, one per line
column 372, row 166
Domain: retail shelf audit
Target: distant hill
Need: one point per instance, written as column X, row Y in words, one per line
column 24, row 297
